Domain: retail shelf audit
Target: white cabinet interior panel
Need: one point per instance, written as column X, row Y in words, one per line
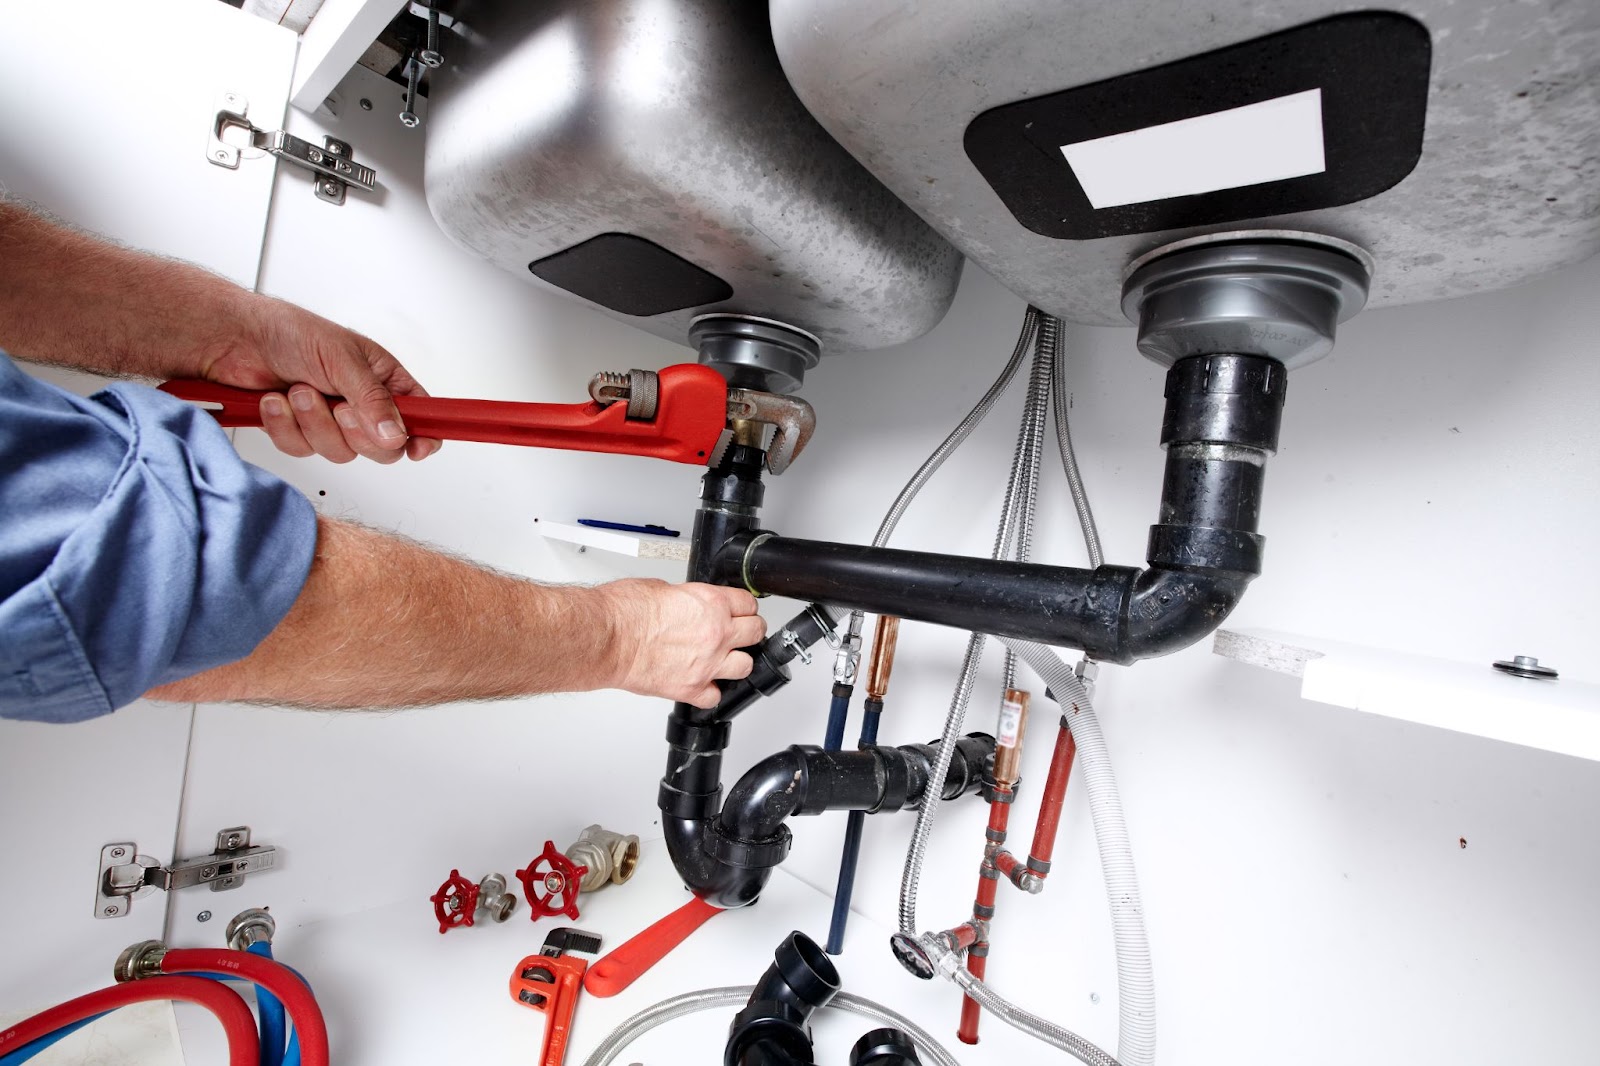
column 105, row 109
column 1320, row 887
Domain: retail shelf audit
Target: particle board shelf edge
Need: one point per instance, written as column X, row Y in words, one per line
column 638, row 545
column 1561, row 716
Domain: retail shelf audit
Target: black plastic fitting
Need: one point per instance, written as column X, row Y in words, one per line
column 1221, row 423
column 728, row 859
column 884, row 1047
column 771, row 1029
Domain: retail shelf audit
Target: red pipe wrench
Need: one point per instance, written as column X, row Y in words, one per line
column 677, row 414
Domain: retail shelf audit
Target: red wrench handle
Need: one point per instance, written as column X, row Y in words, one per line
column 627, row 963
column 691, row 412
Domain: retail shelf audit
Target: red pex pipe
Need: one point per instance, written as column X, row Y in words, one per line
column 244, row 1047
column 983, row 908
column 1055, row 794
column 302, row 1009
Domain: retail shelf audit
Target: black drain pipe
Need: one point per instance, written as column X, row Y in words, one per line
column 1221, row 423
column 726, row 852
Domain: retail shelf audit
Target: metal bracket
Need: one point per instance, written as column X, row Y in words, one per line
column 125, row 875
column 332, row 166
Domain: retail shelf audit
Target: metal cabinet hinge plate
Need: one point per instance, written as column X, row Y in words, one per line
column 332, row 168
column 125, row 875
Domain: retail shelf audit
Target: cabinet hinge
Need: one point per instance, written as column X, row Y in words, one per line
column 332, row 168
column 126, row 875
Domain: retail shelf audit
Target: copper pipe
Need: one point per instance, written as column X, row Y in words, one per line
column 885, row 634
column 1055, row 793
column 1008, row 738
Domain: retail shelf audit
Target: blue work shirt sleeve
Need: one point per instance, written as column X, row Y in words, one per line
column 138, row 547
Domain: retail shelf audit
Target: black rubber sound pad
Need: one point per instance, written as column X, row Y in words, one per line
column 631, row 275
column 1372, row 68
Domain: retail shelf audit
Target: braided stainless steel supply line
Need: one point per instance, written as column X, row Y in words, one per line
column 687, row 1003
column 948, row 964
column 931, row 465
column 1011, row 514
column 1051, row 326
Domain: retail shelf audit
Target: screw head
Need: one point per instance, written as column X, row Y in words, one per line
column 336, row 149
column 117, row 853
column 208, row 871
column 409, row 120
column 203, row 916
column 110, row 910
column 366, row 105
column 331, row 188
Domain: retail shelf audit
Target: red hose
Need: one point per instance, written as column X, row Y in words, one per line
column 1055, row 794
column 243, row 1045
column 296, row 998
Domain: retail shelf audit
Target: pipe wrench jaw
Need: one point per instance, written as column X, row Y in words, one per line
column 791, row 417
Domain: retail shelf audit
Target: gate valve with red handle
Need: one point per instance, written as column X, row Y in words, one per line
column 455, row 902
column 458, row 900
column 551, row 883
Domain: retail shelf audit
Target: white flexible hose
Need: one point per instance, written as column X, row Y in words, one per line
column 713, row 998
column 1136, row 995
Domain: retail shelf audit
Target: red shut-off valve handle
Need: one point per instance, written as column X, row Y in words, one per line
column 691, row 412
column 627, row 963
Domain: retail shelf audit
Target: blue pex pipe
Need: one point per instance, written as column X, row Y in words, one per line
column 838, row 715
column 851, row 853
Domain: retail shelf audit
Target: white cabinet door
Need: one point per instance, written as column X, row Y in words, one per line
column 105, row 110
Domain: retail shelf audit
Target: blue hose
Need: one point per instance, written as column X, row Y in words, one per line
column 851, row 853
column 270, row 1011
column 267, row 1005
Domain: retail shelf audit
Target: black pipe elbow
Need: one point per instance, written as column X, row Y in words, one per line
column 728, row 859
column 771, row 1029
column 1168, row 610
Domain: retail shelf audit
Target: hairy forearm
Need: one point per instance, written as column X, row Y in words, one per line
column 75, row 300
column 384, row 622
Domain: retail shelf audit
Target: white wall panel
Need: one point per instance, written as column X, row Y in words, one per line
column 1306, row 891
column 105, row 108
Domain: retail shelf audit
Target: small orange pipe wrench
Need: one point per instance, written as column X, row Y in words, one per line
column 550, row 982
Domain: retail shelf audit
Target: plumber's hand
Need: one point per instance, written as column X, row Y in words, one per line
column 302, row 356
column 676, row 641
